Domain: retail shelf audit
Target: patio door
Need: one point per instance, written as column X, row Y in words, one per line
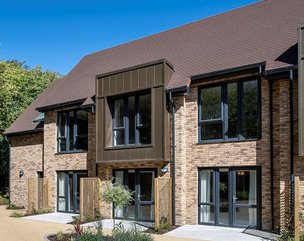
column 229, row 197
column 141, row 183
column 68, row 188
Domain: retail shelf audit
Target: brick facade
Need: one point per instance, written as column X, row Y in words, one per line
column 26, row 156
column 27, row 153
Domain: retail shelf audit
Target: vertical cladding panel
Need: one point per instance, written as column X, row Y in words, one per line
column 158, row 122
column 108, row 124
column 134, row 79
column 127, row 81
column 120, row 155
column 142, row 81
column 105, row 85
column 301, row 89
column 113, row 84
column 150, row 76
column 134, row 154
column 99, row 129
column 120, row 82
column 142, row 154
column 158, row 74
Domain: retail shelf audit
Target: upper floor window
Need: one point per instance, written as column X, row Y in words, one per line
column 229, row 111
column 132, row 120
column 72, row 131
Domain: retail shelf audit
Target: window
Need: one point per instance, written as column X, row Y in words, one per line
column 72, row 131
column 229, row 111
column 132, row 120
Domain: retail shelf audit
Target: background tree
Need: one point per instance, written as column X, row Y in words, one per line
column 19, row 86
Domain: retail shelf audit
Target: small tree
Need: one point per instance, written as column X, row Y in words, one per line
column 116, row 195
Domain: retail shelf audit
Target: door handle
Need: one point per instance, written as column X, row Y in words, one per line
column 234, row 198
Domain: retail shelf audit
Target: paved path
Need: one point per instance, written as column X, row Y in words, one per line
column 212, row 233
column 18, row 229
column 27, row 229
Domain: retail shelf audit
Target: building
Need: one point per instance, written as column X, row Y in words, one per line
column 214, row 101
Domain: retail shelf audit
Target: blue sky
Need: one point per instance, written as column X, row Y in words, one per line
column 56, row 34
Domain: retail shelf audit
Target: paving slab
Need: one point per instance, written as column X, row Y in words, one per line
column 52, row 217
column 212, row 233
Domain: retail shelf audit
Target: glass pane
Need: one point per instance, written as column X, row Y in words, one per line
column 246, row 192
column 212, row 130
column 61, row 125
column 206, row 191
column 144, row 119
column 61, row 204
column 61, row 184
column 62, row 144
column 119, row 113
column 70, row 194
column 131, row 118
column 71, row 130
column 206, row 214
column 146, row 212
column 245, row 217
column 146, row 186
column 211, row 103
column 250, row 98
column 130, row 209
column 119, row 180
column 82, row 123
column 232, row 110
column 119, row 137
column 251, row 127
column 224, row 197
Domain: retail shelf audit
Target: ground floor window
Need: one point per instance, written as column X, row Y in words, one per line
column 141, row 183
column 68, row 190
column 230, row 196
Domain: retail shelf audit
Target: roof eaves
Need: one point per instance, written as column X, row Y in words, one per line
column 55, row 106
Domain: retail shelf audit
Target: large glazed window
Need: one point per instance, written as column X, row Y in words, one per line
column 229, row 111
column 132, row 120
column 72, row 131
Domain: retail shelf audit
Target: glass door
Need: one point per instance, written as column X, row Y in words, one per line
column 141, row 183
column 229, row 197
column 68, row 190
column 145, row 195
column 245, row 198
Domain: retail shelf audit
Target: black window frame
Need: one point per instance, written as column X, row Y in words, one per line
column 224, row 111
column 67, row 131
column 125, row 126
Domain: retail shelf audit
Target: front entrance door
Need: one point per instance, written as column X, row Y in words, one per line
column 141, row 183
column 229, row 197
column 68, row 184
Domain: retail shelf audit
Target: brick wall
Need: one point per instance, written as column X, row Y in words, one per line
column 26, row 155
column 54, row 162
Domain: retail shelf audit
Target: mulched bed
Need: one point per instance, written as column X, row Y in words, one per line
column 163, row 231
column 67, row 237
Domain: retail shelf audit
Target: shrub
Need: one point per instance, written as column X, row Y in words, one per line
column 117, row 195
column 3, row 200
column 163, row 225
column 17, row 215
column 120, row 234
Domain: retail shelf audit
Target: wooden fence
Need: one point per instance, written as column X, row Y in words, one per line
column 37, row 194
column 163, row 200
column 89, row 198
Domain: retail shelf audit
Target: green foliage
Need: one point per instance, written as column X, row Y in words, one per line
column 3, row 200
column 60, row 235
column 14, row 207
column 117, row 195
column 163, row 225
column 120, row 234
column 17, row 215
column 19, row 86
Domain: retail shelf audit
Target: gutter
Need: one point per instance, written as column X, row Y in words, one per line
column 291, row 112
column 9, row 170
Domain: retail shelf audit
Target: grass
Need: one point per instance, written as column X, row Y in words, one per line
column 17, row 214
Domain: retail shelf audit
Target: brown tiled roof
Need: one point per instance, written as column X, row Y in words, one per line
column 264, row 31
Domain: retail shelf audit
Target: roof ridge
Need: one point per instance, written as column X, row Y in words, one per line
column 174, row 28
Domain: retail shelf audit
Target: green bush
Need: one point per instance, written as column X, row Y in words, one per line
column 3, row 200
column 163, row 225
column 17, row 215
column 120, row 234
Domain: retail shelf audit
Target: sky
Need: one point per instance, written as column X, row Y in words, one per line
column 56, row 34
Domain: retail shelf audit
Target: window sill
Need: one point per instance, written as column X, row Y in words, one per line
column 127, row 147
column 70, row 152
column 226, row 141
